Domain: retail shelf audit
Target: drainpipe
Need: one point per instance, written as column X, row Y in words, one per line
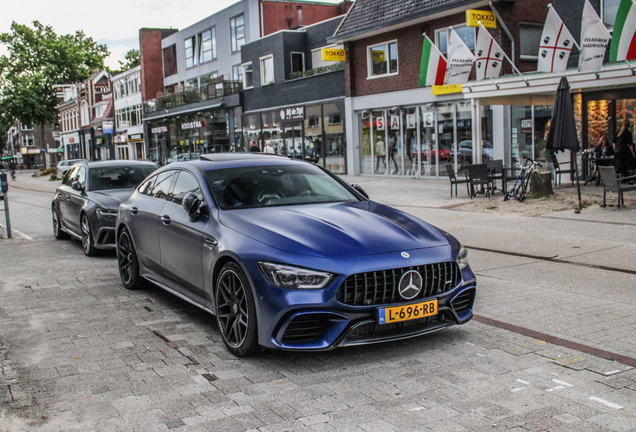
column 503, row 26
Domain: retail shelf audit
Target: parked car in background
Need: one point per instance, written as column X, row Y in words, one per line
column 289, row 256
column 183, row 157
column 65, row 165
column 85, row 204
column 465, row 149
column 429, row 155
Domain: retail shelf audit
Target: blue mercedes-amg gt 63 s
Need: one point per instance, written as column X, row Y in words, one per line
column 288, row 256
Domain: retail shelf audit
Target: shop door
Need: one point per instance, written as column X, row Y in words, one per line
column 292, row 141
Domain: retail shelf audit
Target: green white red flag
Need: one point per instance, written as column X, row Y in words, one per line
column 623, row 46
column 432, row 66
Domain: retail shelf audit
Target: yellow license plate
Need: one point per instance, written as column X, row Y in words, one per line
column 407, row 312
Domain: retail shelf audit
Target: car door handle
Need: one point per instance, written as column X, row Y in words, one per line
column 134, row 210
column 165, row 219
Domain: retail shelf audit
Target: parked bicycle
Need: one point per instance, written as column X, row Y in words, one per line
column 519, row 189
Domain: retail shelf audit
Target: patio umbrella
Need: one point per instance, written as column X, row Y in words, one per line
column 7, row 158
column 562, row 134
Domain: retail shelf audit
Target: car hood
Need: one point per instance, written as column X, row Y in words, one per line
column 110, row 198
column 334, row 230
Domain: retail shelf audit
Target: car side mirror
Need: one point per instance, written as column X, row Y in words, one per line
column 77, row 186
column 191, row 204
column 361, row 191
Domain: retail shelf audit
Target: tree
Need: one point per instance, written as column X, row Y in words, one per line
column 132, row 60
column 37, row 60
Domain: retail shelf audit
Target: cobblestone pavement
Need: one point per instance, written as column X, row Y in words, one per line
column 78, row 352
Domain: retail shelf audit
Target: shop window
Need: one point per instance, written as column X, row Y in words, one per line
column 248, row 77
column 335, row 119
column 170, row 61
column 530, row 36
column 313, row 122
column 237, row 32
column 207, row 45
column 467, row 34
column 609, row 10
column 297, row 62
column 267, row 70
column 190, row 45
column 382, row 59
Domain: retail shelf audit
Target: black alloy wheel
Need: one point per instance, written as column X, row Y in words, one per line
column 236, row 312
column 87, row 237
column 57, row 225
column 127, row 262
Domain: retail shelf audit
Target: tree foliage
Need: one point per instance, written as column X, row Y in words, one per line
column 132, row 60
column 37, row 60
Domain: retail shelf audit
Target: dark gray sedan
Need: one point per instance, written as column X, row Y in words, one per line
column 85, row 205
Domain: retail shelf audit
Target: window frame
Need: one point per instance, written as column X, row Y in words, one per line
column 534, row 57
column 251, row 72
column 387, row 44
column 456, row 26
column 193, row 47
column 234, row 39
column 291, row 58
column 261, row 61
column 212, row 49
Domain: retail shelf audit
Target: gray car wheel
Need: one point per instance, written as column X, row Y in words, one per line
column 236, row 312
column 87, row 237
column 57, row 225
column 127, row 262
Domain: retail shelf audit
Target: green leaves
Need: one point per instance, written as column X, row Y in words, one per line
column 37, row 60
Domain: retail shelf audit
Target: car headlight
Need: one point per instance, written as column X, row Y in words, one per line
column 106, row 214
column 462, row 258
column 285, row 276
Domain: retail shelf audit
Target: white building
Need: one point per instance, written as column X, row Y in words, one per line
column 129, row 130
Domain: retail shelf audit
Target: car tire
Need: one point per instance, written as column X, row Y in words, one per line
column 57, row 225
column 236, row 311
column 128, row 262
column 87, row 237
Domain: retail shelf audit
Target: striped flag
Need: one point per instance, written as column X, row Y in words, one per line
column 594, row 40
column 489, row 55
column 623, row 45
column 556, row 44
column 433, row 65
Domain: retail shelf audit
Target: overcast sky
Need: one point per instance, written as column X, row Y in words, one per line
column 115, row 23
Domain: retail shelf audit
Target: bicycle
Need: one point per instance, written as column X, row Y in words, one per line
column 520, row 188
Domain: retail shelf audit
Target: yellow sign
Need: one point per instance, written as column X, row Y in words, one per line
column 487, row 18
column 446, row 89
column 377, row 56
column 330, row 54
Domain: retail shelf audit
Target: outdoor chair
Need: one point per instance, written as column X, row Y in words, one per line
column 562, row 168
column 496, row 170
column 478, row 176
column 611, row 183
column 454, row 180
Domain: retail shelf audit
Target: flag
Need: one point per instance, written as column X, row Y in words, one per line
column 489, row 55
column 556, row 44
column 594, row 40
column 623, row 45
column 460, row 60
column 433, row 65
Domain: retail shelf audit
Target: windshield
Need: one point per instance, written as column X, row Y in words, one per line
column 118, row 177
column 275, row 185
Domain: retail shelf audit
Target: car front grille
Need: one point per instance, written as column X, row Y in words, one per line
column 305, row 328
column 381, row 287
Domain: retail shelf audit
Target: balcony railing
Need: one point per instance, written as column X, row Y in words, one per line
column 317, row 71
column 188, row 96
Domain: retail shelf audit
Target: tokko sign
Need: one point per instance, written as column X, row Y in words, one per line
column 487, row 18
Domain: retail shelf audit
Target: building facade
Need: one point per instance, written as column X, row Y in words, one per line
column 32, row 147
column 128, row 138
column 293, row 101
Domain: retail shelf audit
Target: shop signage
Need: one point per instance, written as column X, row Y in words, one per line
column 330, row 54
column 526, row 125
column 294, row 113
column 42, row 151
column 71, row 140
column 487, row 18
column 429, row 120
column 160, row 129
column 394, row 122
column 135, row 137
column 379, row 123
column 192, row 125
column 33, row 151
column 446, row 89
column 410, row 121
column 107, row 127
column 377, row 55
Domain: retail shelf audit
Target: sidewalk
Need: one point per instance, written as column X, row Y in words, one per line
column 26, row 181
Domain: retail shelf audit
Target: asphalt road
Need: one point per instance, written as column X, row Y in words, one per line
column 552, row 347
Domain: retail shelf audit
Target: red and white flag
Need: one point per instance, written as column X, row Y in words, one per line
column 556, row 44
column 623, row 45
column 594, row 40
column 460, row 60
column 489, row 55
column 432, row 66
